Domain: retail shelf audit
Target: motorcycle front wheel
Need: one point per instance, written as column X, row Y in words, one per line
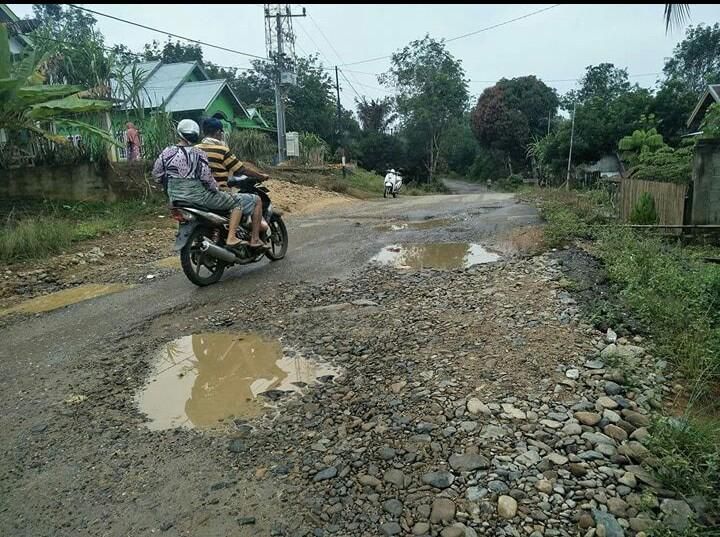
column 200, row 268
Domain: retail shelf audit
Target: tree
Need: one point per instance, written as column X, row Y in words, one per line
column 73, row 49
column 25, row 101
column 375, row 115
column 673, row 104
column 378, row 151
column 508, row 115
column 603, row 81
column 676, row 14
column 432, row 93
column 173, row 51
column 533, row 99
column 499, row 127
column 696, row 59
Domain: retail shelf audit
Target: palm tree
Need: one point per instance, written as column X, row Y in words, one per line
column 676, row 14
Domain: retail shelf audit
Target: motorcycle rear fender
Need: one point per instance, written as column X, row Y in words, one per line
column 184, row 231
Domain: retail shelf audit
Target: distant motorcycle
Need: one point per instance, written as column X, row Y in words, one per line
column 393, row 184
column 202, row 234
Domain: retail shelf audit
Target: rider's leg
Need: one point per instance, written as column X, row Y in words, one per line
column 256, row 222
column 235, row 216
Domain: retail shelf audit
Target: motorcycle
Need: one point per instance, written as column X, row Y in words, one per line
column 393, row 183
column 202, row 234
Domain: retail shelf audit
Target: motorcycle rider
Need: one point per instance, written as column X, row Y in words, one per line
column 185, row 174
column 224, row 165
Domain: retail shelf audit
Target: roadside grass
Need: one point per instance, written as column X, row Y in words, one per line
column 675, row 294
column 33, row 230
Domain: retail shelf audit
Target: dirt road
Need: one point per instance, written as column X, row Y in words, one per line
column 429, row 397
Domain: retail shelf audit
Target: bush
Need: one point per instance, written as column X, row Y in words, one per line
column 689, row 456
column 644, row 212
column 253, row 145
column 511, row 183
column 665, row 165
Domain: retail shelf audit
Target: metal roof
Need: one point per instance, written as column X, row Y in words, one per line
column 712, row 91
column 195, row 95
column 162, row 80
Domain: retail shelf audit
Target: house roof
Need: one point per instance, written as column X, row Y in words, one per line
column 195, row 95
column 712, row 94
column 18, row 27
column 160, row 81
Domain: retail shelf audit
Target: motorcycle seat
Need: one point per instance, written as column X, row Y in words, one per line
column 181, row 204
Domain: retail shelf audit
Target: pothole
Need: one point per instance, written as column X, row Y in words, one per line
column 443, row 255
column 204, row 379
column 65, row 297
column 431, row 223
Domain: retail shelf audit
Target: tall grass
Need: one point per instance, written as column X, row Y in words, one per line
column 41, row 231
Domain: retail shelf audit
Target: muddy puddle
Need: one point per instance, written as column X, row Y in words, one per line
column 65, row 297
column 172, row 262
column 203, row 379
column 443, row 255
column 431, row 223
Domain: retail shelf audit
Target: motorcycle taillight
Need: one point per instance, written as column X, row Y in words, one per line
column 178, row 215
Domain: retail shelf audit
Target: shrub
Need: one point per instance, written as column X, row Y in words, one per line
column 644, row 213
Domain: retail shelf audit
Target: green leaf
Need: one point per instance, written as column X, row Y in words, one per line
column 67, row 105
column 30, row 95
column 4, row 52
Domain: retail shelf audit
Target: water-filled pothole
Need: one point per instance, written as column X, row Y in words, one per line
column 443, row 255
column 431, row 223
column 203, row 379
column 65, row 297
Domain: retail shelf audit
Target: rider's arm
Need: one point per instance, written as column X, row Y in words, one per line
column 252, row 171
column 206, row 176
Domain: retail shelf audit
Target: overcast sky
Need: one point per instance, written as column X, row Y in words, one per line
column 554, row 45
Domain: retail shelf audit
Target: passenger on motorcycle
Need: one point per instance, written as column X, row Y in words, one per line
column 185, row 175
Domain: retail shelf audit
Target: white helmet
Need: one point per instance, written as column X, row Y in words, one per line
column 189, row 131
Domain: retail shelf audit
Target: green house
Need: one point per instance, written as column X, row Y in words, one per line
column 183, row 90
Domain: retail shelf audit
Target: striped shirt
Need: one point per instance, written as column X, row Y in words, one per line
column 223, row 163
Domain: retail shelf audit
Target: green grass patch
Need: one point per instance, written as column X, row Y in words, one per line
column 35, row 230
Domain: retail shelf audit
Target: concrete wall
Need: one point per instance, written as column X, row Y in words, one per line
column 79, row 182
column 706, row 183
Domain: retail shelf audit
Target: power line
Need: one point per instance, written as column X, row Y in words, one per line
column 487, row 28
column 133, row 23
column 350, row 84
column 138, row 55
column 463, row 36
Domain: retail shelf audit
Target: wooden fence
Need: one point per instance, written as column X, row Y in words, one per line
column 669, row 199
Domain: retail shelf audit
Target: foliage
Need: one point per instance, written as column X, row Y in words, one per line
column 431, row 93
column 158, row 132
column 25, row 102
column 689, row 453
column 498, row 127
column 673, row 104
column 711, row 123
column 696, row 59
column 376, row 114
column 488, row 164
column 640, row 142
column 73, row 49
column 253, row 145
column 313, row 149
column 379, row 151
column 58, row 225
column 511, row 183
column 459, row 147
column 665, row 165
column 644, row 213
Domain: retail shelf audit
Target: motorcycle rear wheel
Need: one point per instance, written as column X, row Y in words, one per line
column 200, row 268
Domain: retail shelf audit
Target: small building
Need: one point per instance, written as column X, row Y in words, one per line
column 17, row 28
column 184, row 90
column 710, row 96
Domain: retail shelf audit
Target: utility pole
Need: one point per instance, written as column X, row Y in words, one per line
column 280, row 45
column 339, row 125
column 572, row 138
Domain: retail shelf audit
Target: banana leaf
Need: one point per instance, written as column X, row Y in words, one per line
column 67, row 105
column 4, row 52
column 29, row 95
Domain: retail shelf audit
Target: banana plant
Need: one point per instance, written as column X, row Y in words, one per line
column 25, row 103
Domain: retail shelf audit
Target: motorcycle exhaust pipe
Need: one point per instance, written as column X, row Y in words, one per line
column 218, row 252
